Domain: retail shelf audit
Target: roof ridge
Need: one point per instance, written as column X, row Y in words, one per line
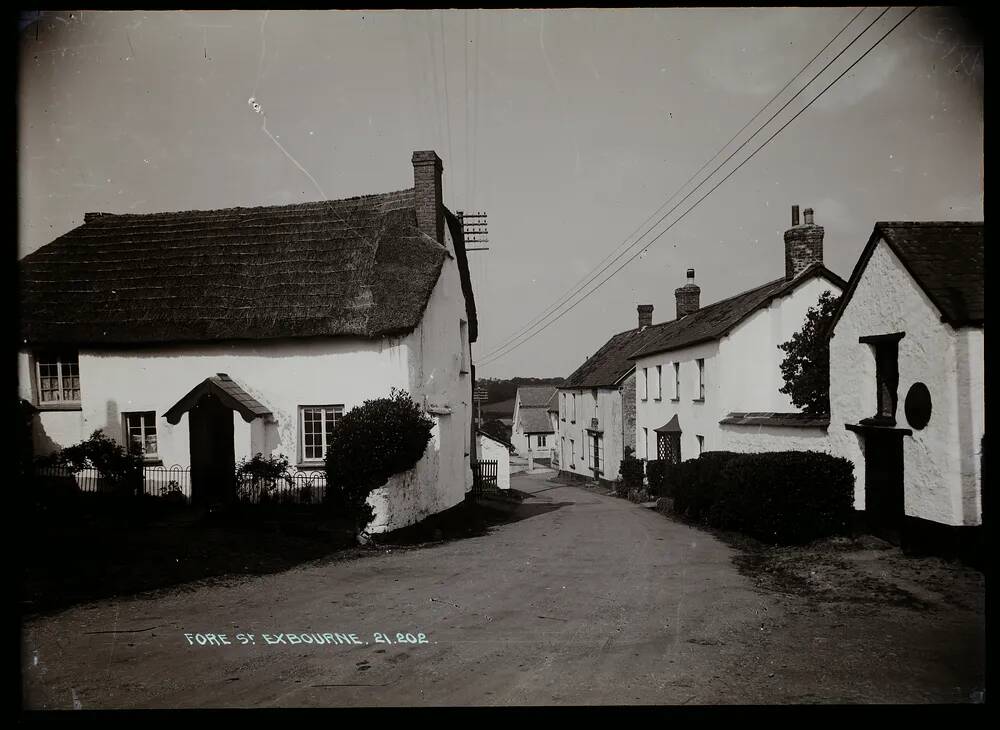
column 729, row 298
column 234, row 208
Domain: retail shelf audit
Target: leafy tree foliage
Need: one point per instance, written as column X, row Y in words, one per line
column 120, row 467
column 379, row 438
column 806, row 367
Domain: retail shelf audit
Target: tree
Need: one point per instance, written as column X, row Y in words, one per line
column 806, row 367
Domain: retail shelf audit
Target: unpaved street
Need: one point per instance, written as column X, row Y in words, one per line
column 587, row 599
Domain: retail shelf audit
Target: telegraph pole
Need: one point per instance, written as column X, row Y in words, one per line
column 474, row 231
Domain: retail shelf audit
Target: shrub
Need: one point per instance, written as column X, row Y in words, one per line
column 261, row 475
column 630, row 472
column 696, row 482
column 785, row 497
column 122, row 468
column 370, row 443
column 662, row 477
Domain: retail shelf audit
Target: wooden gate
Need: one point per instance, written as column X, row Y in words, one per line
column 484, row 477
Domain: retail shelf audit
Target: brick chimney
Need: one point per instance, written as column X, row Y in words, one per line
column 645, row 315
column 803, row 243
column 688, row 296
column 427, row 193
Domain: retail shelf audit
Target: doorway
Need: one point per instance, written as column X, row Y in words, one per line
column 213, row 456
column 884, row 502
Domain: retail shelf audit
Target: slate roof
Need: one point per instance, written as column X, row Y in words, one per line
column 715, row 320
column 352, row 267
column 501, row 406
column 800, row 420
column 606, row 367
column 535, row 395
column 945, row 259
column 228, row 392
column 534, row 420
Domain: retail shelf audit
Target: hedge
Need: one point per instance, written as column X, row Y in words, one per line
column 696, row 483
column 786, row 497
column 630, row 472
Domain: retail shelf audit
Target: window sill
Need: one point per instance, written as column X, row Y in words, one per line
column 59, row 406
column 658, row 399
column 310, row 465
column 675, row 400
column 152, row 461
column 697, row 400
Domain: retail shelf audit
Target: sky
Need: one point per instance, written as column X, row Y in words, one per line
column 569, row 128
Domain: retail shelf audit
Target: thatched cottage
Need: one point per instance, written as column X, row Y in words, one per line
column 207, row 335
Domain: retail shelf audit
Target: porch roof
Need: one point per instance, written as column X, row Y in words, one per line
column 229, row 394
column 671, row 426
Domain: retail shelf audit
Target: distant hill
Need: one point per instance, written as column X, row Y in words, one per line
column 500, row 389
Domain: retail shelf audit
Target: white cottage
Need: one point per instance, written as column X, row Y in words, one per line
column 210, row 335
column 532, row 432
column 907, row 381
column 709, row 380
column 596, row 414
column 491, row 448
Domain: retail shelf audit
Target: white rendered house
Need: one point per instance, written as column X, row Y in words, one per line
column 532, row 433
column 700, row 376
column 210, row 335
column 907, row 379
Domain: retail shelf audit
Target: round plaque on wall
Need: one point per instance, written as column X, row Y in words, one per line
column 918, row 406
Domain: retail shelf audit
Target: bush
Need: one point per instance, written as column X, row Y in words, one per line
column 661, row 476
column 785, row 497
column 261, row 475
column 379, row 438
column 122, row 468
column 630, row 472
column 695, row 483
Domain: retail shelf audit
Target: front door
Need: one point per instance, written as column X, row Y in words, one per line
column 884, row 509
column 213, row 457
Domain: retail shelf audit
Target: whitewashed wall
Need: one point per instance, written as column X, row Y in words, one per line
column 608, row 411
column 760, row 439
column 490, row 450
column 941, row 462
column 742, row 374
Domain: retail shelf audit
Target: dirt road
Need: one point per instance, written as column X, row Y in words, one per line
column 587, row 599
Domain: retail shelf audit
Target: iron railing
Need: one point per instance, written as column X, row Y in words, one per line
column 158, row 481
column 303, row 487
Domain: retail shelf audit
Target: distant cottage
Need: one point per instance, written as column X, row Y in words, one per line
column 161, row 328
column 907, row 381
column 533, row 432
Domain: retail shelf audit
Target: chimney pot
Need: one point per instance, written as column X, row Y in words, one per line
column 687, row 296
column 803, row 244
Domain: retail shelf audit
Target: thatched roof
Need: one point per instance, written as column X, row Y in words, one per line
column 354, row 267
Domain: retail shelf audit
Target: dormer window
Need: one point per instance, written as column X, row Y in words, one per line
column 57, row 376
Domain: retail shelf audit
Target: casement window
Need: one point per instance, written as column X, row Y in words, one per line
column 540, row 441
column 572, row 453
column 677, row 381
column 701, row 379
column 659, row 383
column 316, row 424
column 701, row 444
column 463, row 333
column 645, row 443
column 140, row 432
column 562, row 406
column 644, row 393
column 58, row 378
column 573, row 415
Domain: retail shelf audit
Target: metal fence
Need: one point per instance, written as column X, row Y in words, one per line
column 304, row 487
column 158, row 481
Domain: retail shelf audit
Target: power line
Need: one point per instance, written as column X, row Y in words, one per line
column 494, row 357
column 616, row 255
